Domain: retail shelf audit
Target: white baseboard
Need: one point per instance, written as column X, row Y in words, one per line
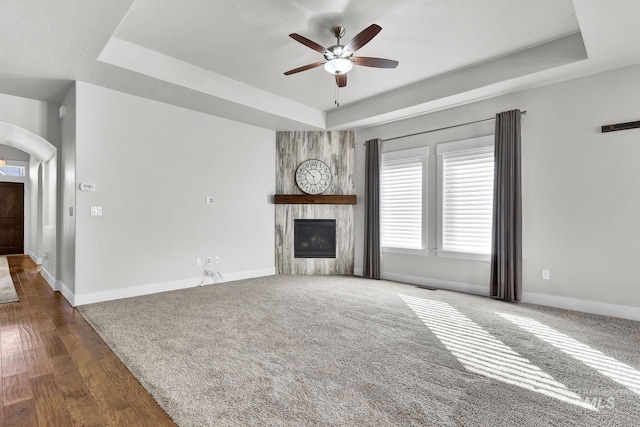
column 58, row 285
column 49, row 279
column 34, row 258
column 586, row 306
column 438, row 283
column 567, row 303
column 114, row 294
column 241, row 275
column 432, row 283
column 66, row 292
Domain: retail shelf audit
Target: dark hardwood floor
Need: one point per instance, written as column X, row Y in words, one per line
column 56, row 371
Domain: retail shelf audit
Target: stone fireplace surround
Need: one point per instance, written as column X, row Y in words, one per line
column 337, row 150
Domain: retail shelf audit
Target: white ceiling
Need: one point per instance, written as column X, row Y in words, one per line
column 228, row 58
column 427, row 37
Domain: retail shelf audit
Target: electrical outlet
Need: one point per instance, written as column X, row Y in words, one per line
column 217, row 259
column 546, row 275
column 198, row 261
column 208, row 260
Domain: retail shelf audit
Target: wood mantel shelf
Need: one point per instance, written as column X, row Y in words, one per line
column 314, row 199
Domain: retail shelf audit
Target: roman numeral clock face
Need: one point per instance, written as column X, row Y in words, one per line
column 313, row 176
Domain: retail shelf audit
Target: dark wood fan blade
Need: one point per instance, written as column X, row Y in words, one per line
column 374, row 62
column 309, row 43
column 341, row 80
column 304, row 68
column 363, row 38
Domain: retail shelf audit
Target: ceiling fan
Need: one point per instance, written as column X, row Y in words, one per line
column 339, row 59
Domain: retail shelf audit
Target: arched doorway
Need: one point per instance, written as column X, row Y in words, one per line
column 40, row 192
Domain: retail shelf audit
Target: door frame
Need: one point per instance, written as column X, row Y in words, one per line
column 26, row 199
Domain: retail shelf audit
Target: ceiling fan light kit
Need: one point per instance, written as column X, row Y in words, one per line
column 339, row 59
column 338, row 66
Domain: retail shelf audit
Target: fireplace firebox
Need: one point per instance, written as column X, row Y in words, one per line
column 314, row 238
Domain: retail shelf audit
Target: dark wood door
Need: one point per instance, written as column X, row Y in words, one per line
column 11, row 218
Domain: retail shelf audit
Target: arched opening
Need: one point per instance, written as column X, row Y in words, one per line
column 40, row 192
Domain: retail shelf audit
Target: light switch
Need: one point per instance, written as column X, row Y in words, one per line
column 96, row 210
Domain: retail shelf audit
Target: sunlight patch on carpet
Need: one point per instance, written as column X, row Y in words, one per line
column 483, row 354
column 608, row 366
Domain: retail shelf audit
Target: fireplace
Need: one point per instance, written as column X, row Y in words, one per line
column 314, row 238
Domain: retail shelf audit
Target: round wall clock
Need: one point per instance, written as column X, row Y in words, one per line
column 313, row 176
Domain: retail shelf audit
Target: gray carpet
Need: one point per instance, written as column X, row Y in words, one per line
column 7, row 290
column 333, row 350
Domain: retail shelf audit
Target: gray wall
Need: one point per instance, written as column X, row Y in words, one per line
column 10, row 153
column 153, row 166
column 67, row 196
column 581, row 192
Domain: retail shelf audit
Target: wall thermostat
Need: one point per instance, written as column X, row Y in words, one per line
column 87, row 187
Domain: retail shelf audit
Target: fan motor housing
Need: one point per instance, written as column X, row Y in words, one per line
column 336, row 52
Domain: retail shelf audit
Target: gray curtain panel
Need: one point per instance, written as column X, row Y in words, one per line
column 506, row 247
column 371, row 266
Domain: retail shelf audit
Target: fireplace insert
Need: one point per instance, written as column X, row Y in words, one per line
column 314, row 238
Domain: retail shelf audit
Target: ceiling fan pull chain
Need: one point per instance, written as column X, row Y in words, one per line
column 337, row 97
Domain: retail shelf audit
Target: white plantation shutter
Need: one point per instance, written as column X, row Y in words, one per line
column 402, row 199
column 466, row 199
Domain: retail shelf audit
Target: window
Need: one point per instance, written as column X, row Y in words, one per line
column 465, row 198
column 403, row 202
column 12, row 170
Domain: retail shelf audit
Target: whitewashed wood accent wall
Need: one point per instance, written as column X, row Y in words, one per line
column 337, row 150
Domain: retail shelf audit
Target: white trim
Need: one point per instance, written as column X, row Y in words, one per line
column 448, row 285
column 114, row 294
column 49, row 279
column 66, row 292
column 421, row 153
column 463, row 255
column 441, row 149
column 241, row 275
column 567, row 303
column 392, row 155
column 465, row 144
column 18, row 137
column 605, row 309
column 26, row 198
column 405, row 251
column 586, row 306
column 33, row 257
column 155, row 288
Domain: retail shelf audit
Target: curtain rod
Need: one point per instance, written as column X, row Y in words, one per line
column 444, row 128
